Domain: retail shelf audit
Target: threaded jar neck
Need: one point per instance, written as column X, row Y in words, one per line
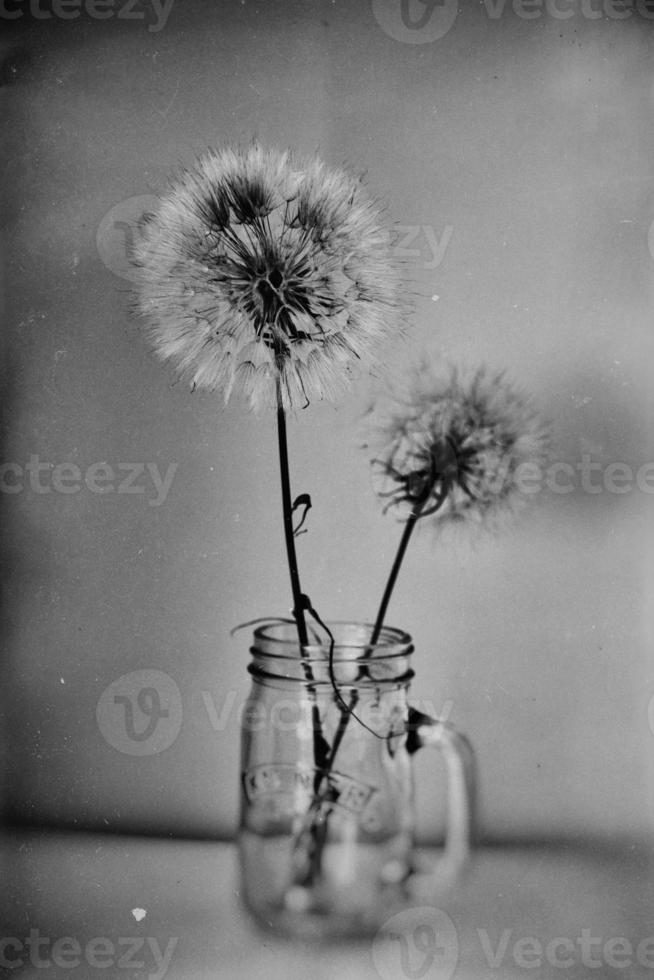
column 276, row 655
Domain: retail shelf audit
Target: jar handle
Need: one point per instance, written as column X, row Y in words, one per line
column 460, row 765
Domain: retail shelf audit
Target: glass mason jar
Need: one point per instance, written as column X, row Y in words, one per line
column 326, row 830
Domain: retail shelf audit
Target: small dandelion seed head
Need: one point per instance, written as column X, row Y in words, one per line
column 455, row 448
column 259, row 271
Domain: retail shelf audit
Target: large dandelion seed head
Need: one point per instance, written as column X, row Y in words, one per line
column 261, row 272
column 457, row 448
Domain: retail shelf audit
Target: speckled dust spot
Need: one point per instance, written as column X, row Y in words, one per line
column 139, row 914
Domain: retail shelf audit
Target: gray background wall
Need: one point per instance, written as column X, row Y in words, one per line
column 531, row 140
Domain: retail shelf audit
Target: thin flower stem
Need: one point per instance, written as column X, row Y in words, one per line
column 298, row 608
column 320, row 747
column 392, row 578
column 348, row 710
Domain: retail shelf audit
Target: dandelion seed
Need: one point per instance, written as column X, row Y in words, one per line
column 259, row 270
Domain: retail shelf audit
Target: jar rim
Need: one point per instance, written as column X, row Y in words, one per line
column 283, row 634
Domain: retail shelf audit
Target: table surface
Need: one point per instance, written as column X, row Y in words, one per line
column 528, row 911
